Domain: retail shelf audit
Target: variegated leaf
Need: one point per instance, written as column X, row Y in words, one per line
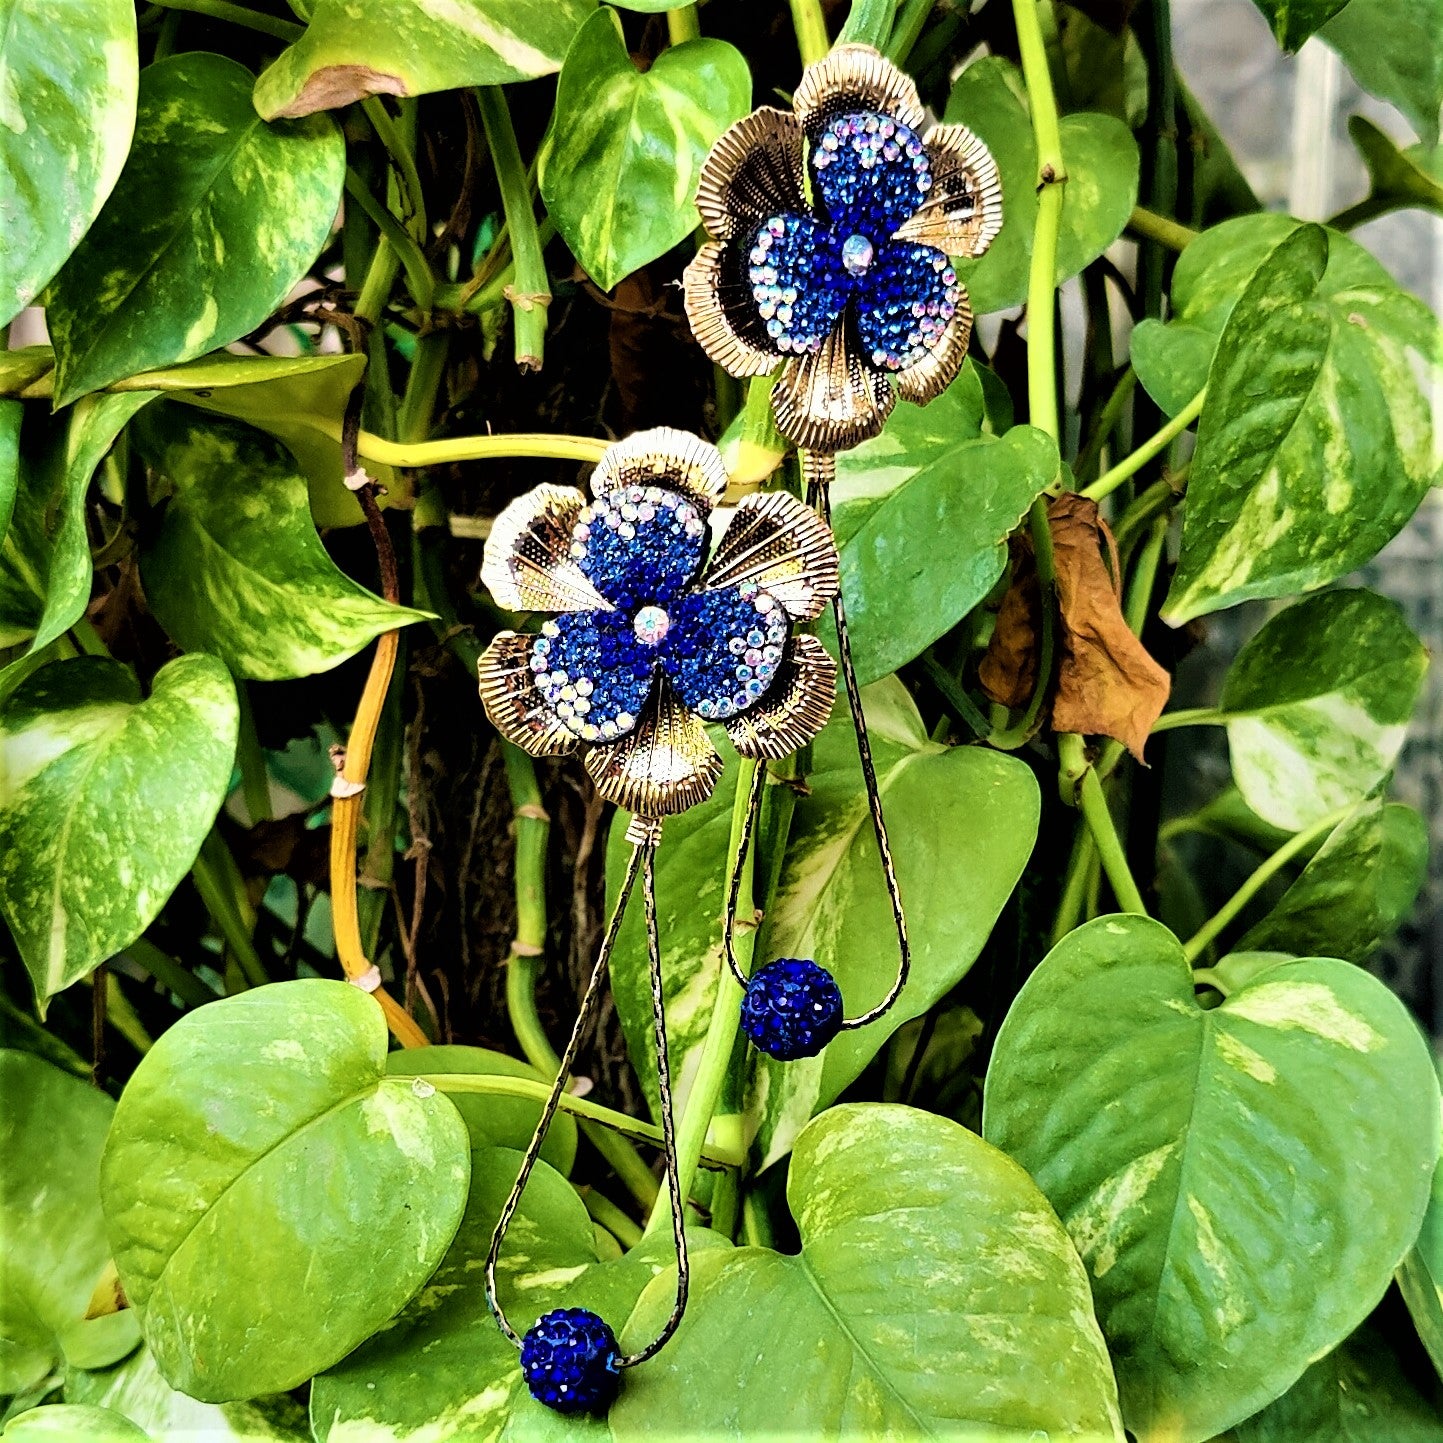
column 962, row 823
column 1317, row 705
column 923, row 513
column 213, row 220
column 1393, row 52
column 52, row 1127
column 1240, row 1182
column 272, row 1196
column 236, row 567
column 64, row 1422
column 1316, row 443
column 443, row 1372
column 1359, row 887
column 105, row 799
column 1420, row 1279
column 68, row 72
column 1102, row 175
column 620, row 169
column 414, row 47
column 45, row 568
column 10, row 416
column 1293, row 21
column 935, row 1296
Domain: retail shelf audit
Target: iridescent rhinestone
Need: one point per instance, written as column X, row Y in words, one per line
column 651, row 625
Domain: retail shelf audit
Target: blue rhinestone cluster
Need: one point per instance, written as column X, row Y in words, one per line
column 641, row 547
column 871, row 173
column 570, row 1361
column 792, row 1009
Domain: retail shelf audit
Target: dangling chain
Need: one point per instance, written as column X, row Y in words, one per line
column 642, row 860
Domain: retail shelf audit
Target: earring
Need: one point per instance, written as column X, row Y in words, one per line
column 647, row 639
column 832, row 229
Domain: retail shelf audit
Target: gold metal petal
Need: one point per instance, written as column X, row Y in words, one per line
column 514, row 702
column 664, row 765
column 962, row 213
column 783, row 546
column 829, row 400
column 527, row 565
column 856, row 77
column 663, row 456
column 926, row 380
column 797, row 711
column 753, row 171
column 711, row 296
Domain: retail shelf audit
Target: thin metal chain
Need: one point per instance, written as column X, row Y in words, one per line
column 668, row 1126
column 734, row 883
column 820, row 470
column 640, row 855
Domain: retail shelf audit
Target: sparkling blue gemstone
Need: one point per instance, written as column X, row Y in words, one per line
column 857, row 254
column 570, row 1360
column 792, row 1009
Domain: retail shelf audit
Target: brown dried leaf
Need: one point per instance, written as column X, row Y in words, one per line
column 1008, row 672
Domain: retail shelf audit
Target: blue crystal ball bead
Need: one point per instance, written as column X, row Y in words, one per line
column 571, row 1362
column 792, row 1009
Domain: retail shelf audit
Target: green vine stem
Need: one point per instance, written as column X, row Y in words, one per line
column 238, row 15
column 528, row 947
column 1204, row 937
column 1107, row 422
column 601, row 1209
column 371, row 447
column 683, row 24
column 869, row 22
column 418, row 270
column 811, row 27
column 530, row 291
column 1130, row 465
column 911, row 17
column 1098, row 817
column 1152, row 226
column 532, row 1090
column 1193, row 716
column 219, row 883
column 721, row 1035
column 403, row 162
column 255, row 786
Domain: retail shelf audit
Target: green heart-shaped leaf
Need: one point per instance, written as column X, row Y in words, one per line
column 273, row 1197
column 1293, row 21
column 105, row 799
column 935, row 1295
column 61, row 144
column 213, row 220
column 445, row 1370
column 236, row 567
column 492, row 1121
column 135, row 1389
column 1357, row 1394
column 625, row 151
column 1317, row 705
column 1398, row 177
column 1102, row 172
column 414, row 47
column 1357, row 890
column 962, row 823
column 45, row 567
column 1315, row 445
column 1240, row 1182
column 923, row 513
column 52, row 1127
column 1393, row 52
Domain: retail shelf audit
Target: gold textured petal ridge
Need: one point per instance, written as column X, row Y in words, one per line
column 753, row 171
column 782, row 546
column 962, row 213
column 706, row 292
column 527, row 565
column 856, row 77
column 831, row 400
column 664, row 765
column 929, row 377
column 514, row 702
column 665, row 457
column 797, row 709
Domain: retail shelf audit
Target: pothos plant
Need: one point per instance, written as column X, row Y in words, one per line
column 1144, row 1142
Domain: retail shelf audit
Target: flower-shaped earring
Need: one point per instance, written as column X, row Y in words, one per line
column 833, row 227
column 647, row 640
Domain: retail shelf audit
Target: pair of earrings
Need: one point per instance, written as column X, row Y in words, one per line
column 832, row 228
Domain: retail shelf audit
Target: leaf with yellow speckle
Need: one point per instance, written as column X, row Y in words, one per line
column 67, row 107
column 236, row 568
column 1241, row 1182
column 105, row 799
column 936, row 1295
column 213, row 220
column 273, row 1197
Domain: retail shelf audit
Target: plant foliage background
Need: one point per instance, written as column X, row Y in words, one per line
column 1147, row 1143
